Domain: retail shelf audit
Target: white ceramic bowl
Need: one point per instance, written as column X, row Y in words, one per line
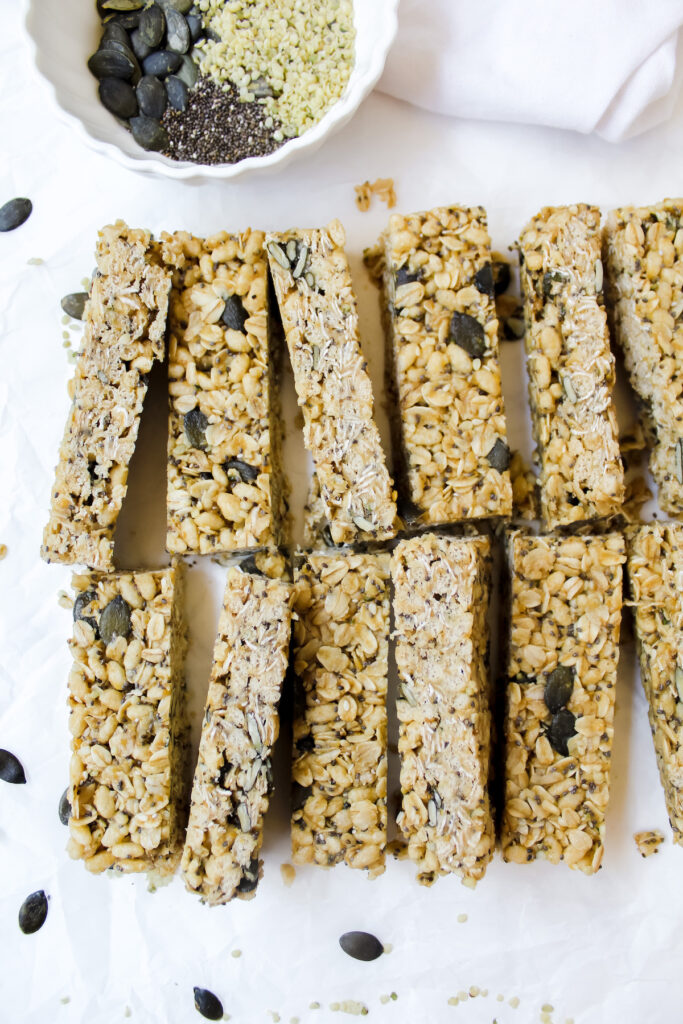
column 64, row 33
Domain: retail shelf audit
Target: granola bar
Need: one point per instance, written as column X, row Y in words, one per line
column 339, row 771
column 562, row 670
column 655, row 572
column 233, row 779
column 644, row 263
column 570, row 366
column 126, row 790
column 443, row 378
column 224, row 487
column 441, row 590
column 125, row 321
column 318, row 308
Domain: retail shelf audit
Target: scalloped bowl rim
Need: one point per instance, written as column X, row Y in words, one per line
column 338, row 115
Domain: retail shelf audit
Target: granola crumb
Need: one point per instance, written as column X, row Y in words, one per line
column 3, row 551
column 636, row 495
column 236, row 954
column 514, row 1002
column 383, row 188
column 64, row 600
column 462, row 918
column 525, row 492
column 288, row 874
column 648, row 842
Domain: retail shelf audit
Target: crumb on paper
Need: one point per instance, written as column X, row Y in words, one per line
column 648, row 842
column 453, row 1001
column 314, row 1006
column 474, row 991
column 65, row 1000
column 128, row 1012
column 500, row 997
column 35, row 261
column 352, row 1006
column 275, row 1016
column 462, row 918
column 3, row 551
column 64, row 600
column 388, row 946
column 236, row 953
column 383, row 188
column 514, row 1002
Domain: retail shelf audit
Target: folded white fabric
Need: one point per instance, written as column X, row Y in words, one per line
column 606, row 66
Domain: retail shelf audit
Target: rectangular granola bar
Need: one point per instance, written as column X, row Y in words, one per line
column 655, row 572
column 125, row 321
column 644, row 263
column 318, row 308
column 233, row 779
column 562, row 670
column 448, row 426
column 126, row 790
column 570, row 366
column 441, row 593
column 340, row 649
column 225, row 491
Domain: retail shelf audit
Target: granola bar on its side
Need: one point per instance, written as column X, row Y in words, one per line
column 233, row 780
column 655, row 573
column 126, row 692
column 565, row 616
column 570, row 366
column 644, row 264
column 449, row 440
column 441, row 591
column 318, row 308
column 225, row 491
column 125, row 321
column 339, row 769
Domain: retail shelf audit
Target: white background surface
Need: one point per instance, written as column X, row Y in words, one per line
column 602, row 949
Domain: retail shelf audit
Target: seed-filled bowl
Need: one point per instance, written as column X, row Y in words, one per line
column 65, row 34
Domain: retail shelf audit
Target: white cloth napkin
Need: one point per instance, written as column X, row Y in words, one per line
column 607, row 66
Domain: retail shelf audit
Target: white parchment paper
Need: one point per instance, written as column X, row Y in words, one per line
column 599, row 950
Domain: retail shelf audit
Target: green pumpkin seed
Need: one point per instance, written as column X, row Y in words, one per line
column 161, row 63
column 177, row 92
column 561, row 730
column 177, row 5
column 468, row 334
column 558, row 688
column 152, row 26
column 552, row 278
column 300, row 794
column 11, row 768
column 249, row 565
column 115, row 620
column 112, row 64
column 177, row 31
column 151, row 97
column 33, row 912
column 361, row 945
column 207, row 1004
column 14, row 213
column 194, row 425
column 122, row 5
column 118, row 97
column 187, row 72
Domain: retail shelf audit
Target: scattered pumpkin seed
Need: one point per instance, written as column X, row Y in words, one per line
column 64, row 809
column 115, row 619
column 11, row 768
column 249, row 565
column 468, row 334
column 178, row 5
column 177, row 92
column 14, row 213
column 151, row 96
column 177, row 31
column 33, row 912
column 499, row 456
column 122, row 5
column 207, row 1004
column 361, row 945
column 561, row 729
column 195, row 25
column 558, row 687
column 114, row 33
column 161, row 63
column 112, row 64
column 74, row 304
column 194, row 425
column 118, row 97
column 138, row 45
column 81, row 602
column 234, row 315
column 152, row 25
column 187, row 72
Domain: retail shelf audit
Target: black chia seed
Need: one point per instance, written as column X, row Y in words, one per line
column 216, row 128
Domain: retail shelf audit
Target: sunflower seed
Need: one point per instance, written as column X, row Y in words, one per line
column 431, row 812
column 499, row 456
column 246, row 472
column 115, row 619
column 278, row 254
column 177, row 92
column 151, row 96
column 561, row 729
column 252, row 775
column 363, row 524
column 195, row 424
column 254, row 733
column 309, row 279
column 568, row 389
column 243, row 818
column 361, row 945
column 74, row 304
column 11, row 768
column 118, row 97
column 161, row 63
column 234, row 315
column 406, row 692
column 558, row 687
column 679, row 460
column 112, row 64
column 33, row 912
column 177, row 31
column 301, row 262
column 64, row 809
column 207, row 1004
column 599, row 276
column 468, row 334
column 14, row 213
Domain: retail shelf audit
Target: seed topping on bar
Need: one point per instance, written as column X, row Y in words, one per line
column 339, row 771
column 125, row 321
column 318, row 309
column 570, row 366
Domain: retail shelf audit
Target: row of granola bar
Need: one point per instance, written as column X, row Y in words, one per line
column 226, row 493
